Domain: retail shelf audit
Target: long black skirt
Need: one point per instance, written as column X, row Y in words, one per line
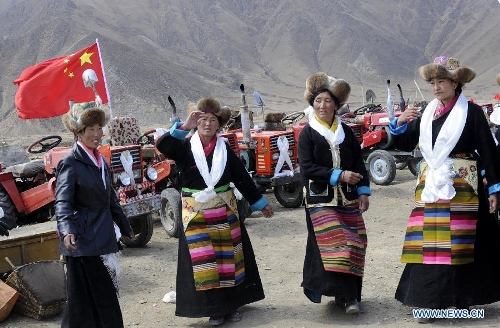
column 441, row 286
column 92, row 299
column 218, row 301
column 317, row 281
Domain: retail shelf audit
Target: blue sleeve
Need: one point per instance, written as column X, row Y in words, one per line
column 364, row 190
column 260, row 204
column 334, row 178
column 494, row 188
column 178, row 133
column 395, row 129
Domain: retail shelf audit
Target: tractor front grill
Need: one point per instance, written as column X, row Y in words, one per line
column 116, row 163
column 273, row 141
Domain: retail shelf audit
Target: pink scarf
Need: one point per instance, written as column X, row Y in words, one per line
column 445, row 109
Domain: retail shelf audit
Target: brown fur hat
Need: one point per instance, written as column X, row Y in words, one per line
column 340, row 88
column 211, row 105
column 449, row 68
column 498, row 79
column 85, row 114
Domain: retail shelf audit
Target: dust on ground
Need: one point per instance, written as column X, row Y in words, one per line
column 279, row 244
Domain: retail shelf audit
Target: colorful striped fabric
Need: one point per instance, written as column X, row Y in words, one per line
column 442, row 232
column 341, row 237
column 214, row 240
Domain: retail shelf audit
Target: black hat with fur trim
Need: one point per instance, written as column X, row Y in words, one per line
column 449, row 68
column 211, row 105
column 320, row 81
column 85, row 114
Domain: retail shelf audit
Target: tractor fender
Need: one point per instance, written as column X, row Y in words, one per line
column 372, row 137
column 8, row 183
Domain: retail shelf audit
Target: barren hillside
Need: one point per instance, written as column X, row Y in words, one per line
column 188, row 49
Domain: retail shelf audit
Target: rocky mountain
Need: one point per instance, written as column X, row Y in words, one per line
column 188, row 49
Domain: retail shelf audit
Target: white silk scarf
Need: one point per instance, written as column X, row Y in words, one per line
column 211, row 177
column 439, row 175
column 333, row 138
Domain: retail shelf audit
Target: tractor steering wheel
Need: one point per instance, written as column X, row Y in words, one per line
column 40, row 146
column 292, row 118
column 361, row 110
column 147, row 138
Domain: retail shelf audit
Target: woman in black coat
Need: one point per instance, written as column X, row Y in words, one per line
column 216, row 269
column 337, row 189
column 452, row 241
column 87, row 209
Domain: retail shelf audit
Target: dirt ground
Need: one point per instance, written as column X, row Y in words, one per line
column 279, row 244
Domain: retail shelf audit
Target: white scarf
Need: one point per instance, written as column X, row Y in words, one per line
column 439, row 175
column 211, row 177
column 333, row 138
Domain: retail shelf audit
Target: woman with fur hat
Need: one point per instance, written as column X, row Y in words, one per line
column 216, row 268
column 337, row 189
column 87, row 209
column 452, row 241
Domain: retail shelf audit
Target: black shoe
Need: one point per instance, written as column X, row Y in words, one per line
column 352, row 306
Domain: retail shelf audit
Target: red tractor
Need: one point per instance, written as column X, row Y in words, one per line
column 261, row 156
column 370, row 124
column 27, row 190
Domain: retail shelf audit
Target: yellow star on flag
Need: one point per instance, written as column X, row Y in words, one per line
column 85, row 58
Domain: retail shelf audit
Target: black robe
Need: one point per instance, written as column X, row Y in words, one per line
column 218, row 301
column 441, row 286
column 316, row 164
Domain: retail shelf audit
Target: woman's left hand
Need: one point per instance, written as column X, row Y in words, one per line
column 493, row 200
column 364, row 203
column 268, row 211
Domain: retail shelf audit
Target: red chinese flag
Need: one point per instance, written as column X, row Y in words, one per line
column 46, row 88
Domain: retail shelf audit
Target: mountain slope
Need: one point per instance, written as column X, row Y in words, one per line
column 189, row 49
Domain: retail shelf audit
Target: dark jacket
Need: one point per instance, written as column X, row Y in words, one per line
column 85, row 208
column 316, row 164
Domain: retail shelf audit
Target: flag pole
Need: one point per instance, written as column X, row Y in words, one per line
column 104, row 75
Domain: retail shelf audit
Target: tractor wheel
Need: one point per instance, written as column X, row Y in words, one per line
column 382, row 167
column 290, row 195
column 413, row 165
column 143, row 230
column 244, row 209
column 9, row 210
column 387, row 142
column 170, row 211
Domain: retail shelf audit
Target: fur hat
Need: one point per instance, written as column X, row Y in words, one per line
column 449, row 68
column 318, row 81
column 211, row 105
column 85, row 114
column 498, row 79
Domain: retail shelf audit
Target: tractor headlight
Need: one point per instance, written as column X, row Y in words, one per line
column 151, row 173
column 275, row 156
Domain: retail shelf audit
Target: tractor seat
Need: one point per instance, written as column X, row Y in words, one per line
column 123, row 131
column 27, row 170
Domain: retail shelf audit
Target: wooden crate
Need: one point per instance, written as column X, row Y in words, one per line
column 29, row 244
